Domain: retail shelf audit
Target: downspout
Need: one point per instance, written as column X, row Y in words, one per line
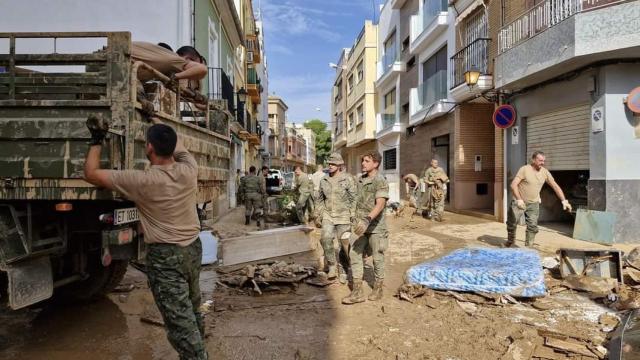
column 193, row 23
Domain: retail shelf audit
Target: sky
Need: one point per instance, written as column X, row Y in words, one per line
column 301, row 38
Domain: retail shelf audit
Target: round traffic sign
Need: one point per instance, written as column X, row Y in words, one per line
column 504, row 116
column 633, row 100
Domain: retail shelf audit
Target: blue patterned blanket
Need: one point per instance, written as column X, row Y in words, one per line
column 516, row 272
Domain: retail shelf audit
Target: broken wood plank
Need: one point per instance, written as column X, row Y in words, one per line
column 562, row 336
column 238, row 303
column 151, row 321
column 546, row 353
column 264, row 245
column 571, row 347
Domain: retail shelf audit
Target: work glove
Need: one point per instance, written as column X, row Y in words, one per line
column 566, row 206
column 362, row 226
column 521, row 205
column 98, row 129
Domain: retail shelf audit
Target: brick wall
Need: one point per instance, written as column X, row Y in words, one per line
column 416, row 151
column 474, row 135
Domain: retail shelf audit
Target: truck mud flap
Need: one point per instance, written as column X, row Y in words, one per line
column 29, row 282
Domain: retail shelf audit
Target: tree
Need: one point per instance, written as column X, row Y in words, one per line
column 323, row 139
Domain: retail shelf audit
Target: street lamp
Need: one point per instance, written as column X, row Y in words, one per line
column 471, row 76
column 242, row 95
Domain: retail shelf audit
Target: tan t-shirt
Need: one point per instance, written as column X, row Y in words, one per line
column 532, row 182
column 161, row 59
column 165, row 196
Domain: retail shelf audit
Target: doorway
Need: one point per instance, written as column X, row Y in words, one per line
column 440, row 150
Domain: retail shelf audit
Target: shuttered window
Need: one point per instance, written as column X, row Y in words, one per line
column 389, row 159
column 563, row 135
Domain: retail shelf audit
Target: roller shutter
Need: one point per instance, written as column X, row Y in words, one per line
column 563, row 135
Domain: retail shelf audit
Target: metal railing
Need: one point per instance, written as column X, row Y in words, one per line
column 473, row 56
column 432, row 90
column 220, row 87
column 536, row 20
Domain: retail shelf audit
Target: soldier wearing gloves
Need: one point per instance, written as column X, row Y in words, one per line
column 526, row 187
column 370, row 228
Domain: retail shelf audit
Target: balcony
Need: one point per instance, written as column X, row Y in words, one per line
column 389, row 67
column 254, row 88
column 388, row 124
column 429, row 99
column 253, row 49
column 473, row 56
column 339, row 138
column 558, row 36
column 397, row 4
column 221, row 88
column 432, row 20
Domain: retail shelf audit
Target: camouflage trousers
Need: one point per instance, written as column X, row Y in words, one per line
column 531, row 214
column 174, row 275
column 253, row 204
column 304, row 207
column 331, row 231
column 376, row 244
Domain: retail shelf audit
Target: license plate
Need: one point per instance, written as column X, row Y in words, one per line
column 124, row 216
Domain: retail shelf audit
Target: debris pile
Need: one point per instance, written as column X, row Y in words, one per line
column 263, row 277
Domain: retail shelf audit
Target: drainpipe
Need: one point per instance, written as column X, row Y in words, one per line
column 193, row 23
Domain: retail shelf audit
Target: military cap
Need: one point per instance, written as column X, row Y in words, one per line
column 335, row 159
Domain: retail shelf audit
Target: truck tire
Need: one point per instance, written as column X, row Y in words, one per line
column 101, row 281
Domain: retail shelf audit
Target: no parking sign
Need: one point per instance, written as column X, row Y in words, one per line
column 504, row 117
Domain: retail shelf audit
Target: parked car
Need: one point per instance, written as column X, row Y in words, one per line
column 275, row 182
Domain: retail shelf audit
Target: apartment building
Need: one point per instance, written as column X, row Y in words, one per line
column 355, row 76
column 296, row 148
column 338, row 105
column 276, row 123
column 309, row 147
column 567, row 66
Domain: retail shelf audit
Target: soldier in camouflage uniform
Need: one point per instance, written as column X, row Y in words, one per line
column 335, row 209
column 253, row 188
column 304, row 187
column 165, row 195
column 436, row 180
column 370, row 233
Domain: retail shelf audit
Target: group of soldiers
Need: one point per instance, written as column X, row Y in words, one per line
column 429, row 192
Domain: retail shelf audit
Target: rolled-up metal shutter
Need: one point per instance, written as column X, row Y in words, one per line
column 563, row 135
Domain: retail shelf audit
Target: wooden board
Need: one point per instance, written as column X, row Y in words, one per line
column 264, row 245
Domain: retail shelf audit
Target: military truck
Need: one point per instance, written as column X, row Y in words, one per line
column 57, row 230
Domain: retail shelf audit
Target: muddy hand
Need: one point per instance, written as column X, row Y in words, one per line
column 362, row 226
column 98, row 129
column 566, row 206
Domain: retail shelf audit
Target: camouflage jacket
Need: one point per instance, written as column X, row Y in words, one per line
column 304, row 184
column 252, row 184
column 370, row 189
column 337, row 199
column 431, row 175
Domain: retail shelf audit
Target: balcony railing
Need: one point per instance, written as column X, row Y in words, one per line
column 220, row 87
column 388, row 120
column 540, row 18
column 432, row 90
column 389, row 58
column 430, row 12
column 474, row 55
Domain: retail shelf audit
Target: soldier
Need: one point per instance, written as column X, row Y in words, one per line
column 335, row 210
column 239, row 198
column 436, row 179
column 412, row 188
column 304, row 187
column 253, row 190
column 165, row 195
column 526, row 188
column 371, row 229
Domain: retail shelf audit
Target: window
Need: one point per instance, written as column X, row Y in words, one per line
column 390, row 51
column 360, row 69
column 360, row 111
column 351, row 124
column 405, row 44
column 389, row 160
column 339, row 123
column 434, row 78
column 350, row 83
column 475, row 27
column 338, row 91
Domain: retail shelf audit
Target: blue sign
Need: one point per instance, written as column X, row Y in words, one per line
column 504, row 117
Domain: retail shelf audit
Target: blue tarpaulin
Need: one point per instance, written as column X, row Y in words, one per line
column 516, row 272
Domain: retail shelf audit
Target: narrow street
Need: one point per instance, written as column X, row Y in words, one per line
column 310, row 323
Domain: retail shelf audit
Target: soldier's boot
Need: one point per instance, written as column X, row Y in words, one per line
column 247, row 219
column 357, row 294
column 343, row 276
column 258, row 222
column 376, row 294
column 529, row 237
column 332, row 273
column 511, row 239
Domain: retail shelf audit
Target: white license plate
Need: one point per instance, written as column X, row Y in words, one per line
column 124, row 216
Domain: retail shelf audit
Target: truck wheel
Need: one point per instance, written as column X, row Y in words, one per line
column 101, row 281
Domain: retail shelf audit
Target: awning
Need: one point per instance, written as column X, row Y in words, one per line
column 469, row 10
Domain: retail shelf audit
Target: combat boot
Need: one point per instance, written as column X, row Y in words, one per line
column 332, row 273
column 511, row 239
column 376, row 294
column 357, row 294
column 247, row 220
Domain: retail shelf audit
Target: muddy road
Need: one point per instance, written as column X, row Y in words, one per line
column 310, row 322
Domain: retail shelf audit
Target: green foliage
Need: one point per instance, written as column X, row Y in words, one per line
column 323, row 139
